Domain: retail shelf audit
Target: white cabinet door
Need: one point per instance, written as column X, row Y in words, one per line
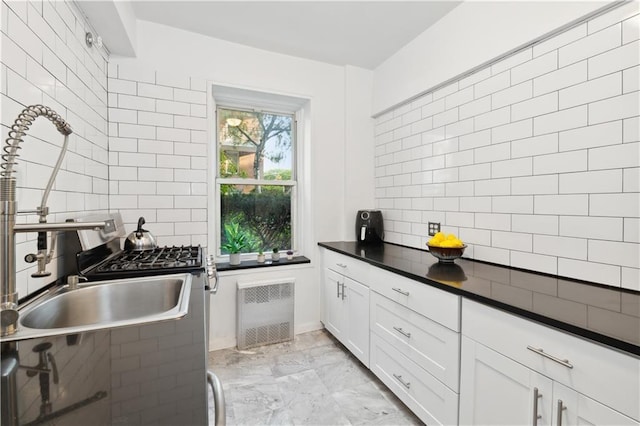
column 357, row 313
column 334, row 311
column 571, row 408
column 495, row 390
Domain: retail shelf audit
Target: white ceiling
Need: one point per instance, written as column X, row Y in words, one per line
column 361, row 33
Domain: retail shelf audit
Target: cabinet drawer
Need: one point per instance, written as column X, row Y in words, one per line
column 435, row 304
column 429, row 344
column 601, row 373
column 427, row 397
column 347, row 266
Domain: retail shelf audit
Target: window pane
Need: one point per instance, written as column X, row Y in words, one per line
column 255, row 145
column 260, row 214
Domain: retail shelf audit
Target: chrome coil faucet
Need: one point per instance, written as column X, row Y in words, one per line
column 8, row 211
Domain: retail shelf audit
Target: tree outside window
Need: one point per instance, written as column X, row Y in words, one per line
column 256, row 177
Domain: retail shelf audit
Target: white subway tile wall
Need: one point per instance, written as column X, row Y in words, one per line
column 45, row 61
column 534, row 161
column 158, row 152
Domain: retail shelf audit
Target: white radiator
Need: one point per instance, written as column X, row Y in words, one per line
column 265, row 312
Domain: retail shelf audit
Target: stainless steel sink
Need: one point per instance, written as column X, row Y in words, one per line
column 105, row 304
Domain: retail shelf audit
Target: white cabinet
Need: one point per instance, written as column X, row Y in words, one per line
column 346, row 303
column 495, row 390
column 506, row 358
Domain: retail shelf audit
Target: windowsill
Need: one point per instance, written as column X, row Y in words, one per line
column 253, row 264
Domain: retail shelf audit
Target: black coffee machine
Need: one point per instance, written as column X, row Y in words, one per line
column 369, row 226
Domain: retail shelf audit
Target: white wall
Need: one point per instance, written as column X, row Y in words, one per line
column 358, row 147
column 468, row 36
column 170, row 61
column 533, row 161
column 45, row 61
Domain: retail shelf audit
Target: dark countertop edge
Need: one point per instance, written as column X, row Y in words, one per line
column 253, row 264
column 605, row 340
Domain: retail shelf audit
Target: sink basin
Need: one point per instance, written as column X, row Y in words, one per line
column 106, row 304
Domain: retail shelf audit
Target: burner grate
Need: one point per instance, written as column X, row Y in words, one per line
column 158, row 259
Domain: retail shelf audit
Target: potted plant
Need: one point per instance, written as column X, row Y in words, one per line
column 289, row 254
column 275, row 256
column 236, row 241
column 260, row 256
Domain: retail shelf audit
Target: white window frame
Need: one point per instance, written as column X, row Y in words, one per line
column 242, row 99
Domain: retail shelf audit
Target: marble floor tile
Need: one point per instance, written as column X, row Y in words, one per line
column 312, row 380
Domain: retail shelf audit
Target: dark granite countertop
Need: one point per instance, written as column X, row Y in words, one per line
column 607, row 315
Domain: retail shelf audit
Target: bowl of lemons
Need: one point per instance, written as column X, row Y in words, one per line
column 446, row 248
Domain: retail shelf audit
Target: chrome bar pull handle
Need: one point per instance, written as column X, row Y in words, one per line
column 343, row 294
column 338, row 289
column 399, row 290
column 561, row 407
column 536, row 395
column 541, row 352
column 399, row 378
column 341, row 265
column 401, row 331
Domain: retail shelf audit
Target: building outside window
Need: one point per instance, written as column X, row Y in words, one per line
column 256, row 179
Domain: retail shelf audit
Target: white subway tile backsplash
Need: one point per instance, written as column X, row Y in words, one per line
column 491, row 153
column 545, row 157
column 155, row 147
column 537, row 145
column 631, row 29
column 589, row 271
column 615, row 205
column 475, row 77
column 535, row 262
column 614, row 60
column 493, row 187
column 561, row 120
column 573, row 248
column 135, row 102
column 630, row 278
column 492, row 119
column 631, row 230
column 117, row 115
column 512, row 95
column 476, row 107
column 563, row 162
column 155, row 91
column 155, row 174
column 446, row 90
column 511, row 168
column 513, row 204
column 592, row 90
column 560, row 40
column 597, row 228
column 591, row 136
column 616, row 15
column 474, row 172
column 475, row 140
column 547, row 184
column 534, row 107
column 591, row 45
column 458, row 98
column 191, row 96
column 511, row 240
column 535, row 224
column 631, row 180
column 625, row 106
column 563, row 77
column 631, row 79
column 169, row 134
column 615, row 253
column 493, row 84
column 446, row 117
column 577, row 205
column 591, row 182
column 615, row 156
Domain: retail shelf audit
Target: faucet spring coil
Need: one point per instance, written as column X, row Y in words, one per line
column 20, row 127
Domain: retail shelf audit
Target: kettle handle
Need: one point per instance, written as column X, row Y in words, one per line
column 141, row 222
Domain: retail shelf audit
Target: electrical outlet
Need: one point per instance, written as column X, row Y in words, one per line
column 434, row 228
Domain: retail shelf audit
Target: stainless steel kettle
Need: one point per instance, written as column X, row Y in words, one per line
column 140, row 239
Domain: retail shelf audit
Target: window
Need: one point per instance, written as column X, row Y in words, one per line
column 256, row 180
